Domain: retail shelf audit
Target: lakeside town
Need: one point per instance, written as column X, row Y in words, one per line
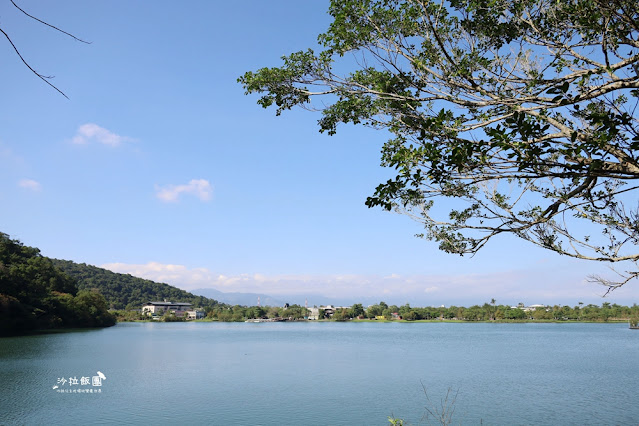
column 170, row 311
column 67, row 295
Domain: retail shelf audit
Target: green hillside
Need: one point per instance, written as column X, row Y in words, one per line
column 36, row 295
column 124, row 291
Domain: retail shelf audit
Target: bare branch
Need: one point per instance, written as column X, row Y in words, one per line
column 40, row 76
column 49, row 25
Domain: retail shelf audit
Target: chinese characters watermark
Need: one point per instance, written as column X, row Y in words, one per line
column 82, row 384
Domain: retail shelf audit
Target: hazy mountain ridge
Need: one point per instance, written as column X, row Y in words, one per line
column 242, row 299
column 250, row 299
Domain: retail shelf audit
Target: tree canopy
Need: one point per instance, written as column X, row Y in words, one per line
column 124, row 291
column 34, row 294
column 505, row 116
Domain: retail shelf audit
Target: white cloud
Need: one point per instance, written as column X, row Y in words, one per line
column 176, row 275
column 93, row 133
column 509, row 287
column 406, row 288
column 30, row 184
column 201, row 188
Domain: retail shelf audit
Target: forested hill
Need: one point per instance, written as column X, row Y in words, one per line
column 35, row 295
column 124, row 291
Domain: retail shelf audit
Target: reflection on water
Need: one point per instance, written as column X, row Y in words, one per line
column 321, row 373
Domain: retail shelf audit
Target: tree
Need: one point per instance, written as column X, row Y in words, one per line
column 374, row 311
column 356, row 310
column 518, row 115
column 410, row 316
column 294, row 312
column 341, row 315
column 91, row 310
column 35, row 294
column 388, row 314
column 512, row 313
column 403, row 310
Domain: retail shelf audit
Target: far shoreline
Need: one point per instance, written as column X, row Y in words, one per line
column 364, row 321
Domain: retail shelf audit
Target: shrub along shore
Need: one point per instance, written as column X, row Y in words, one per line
column 488, row 312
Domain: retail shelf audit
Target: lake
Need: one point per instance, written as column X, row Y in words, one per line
column 323, row 373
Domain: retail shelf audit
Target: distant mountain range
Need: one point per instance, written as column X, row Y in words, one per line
column 243, row 299
column 250, row 299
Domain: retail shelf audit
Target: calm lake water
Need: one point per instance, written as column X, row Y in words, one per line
column 322, row 374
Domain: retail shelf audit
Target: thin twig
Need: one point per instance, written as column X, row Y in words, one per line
column 40, row 76
column 49, row 25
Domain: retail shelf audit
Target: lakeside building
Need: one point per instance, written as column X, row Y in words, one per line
column 313, row 314
column 156, row 309
column 159, row 308
column 329, row 311
column 530, row 308
column 195, row 314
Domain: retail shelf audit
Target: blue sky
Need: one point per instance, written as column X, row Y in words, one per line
column 159, row 166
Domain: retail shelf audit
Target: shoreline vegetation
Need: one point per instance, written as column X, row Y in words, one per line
column 434, row 321
column 381, row 312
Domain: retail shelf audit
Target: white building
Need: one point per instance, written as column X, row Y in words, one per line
column 313, row 314
column 159, row 308
column 194, row 314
